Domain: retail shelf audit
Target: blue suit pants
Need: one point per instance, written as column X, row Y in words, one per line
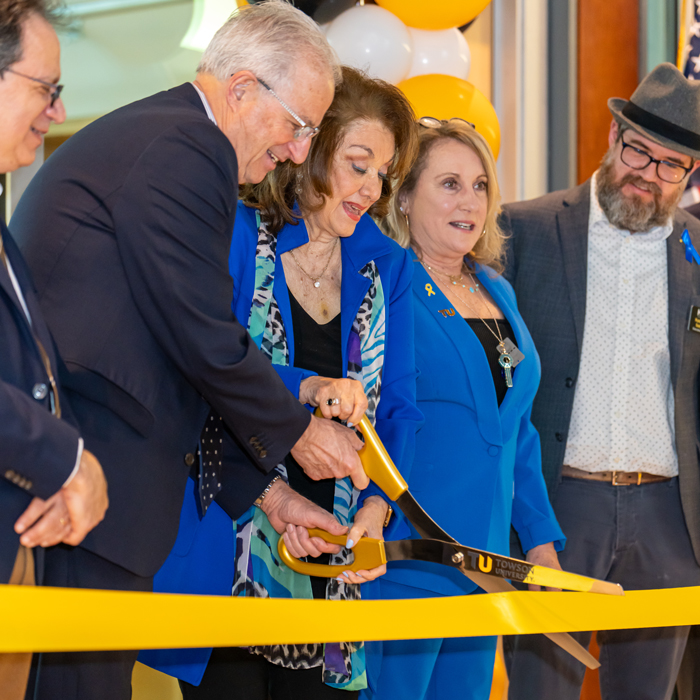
column 432, row 669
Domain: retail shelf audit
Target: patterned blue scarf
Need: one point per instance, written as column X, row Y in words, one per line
column 258, row 570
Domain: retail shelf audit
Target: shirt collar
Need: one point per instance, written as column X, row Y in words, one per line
column 205, row 102
column 597, row 216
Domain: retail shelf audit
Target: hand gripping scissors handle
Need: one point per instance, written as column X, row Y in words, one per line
column 487, row 570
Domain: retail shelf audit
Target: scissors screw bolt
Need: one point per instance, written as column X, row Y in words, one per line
column 458, row 557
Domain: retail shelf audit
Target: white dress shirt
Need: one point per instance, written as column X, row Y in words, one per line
column 205, row 102
column 623, row 410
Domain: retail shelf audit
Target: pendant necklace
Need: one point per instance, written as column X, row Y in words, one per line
column 506, row 359
column 316, row 280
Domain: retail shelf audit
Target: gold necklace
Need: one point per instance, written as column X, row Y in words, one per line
column 455, row 279
column 316, row 280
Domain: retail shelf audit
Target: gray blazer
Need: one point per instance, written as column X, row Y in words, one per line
column 546, row 263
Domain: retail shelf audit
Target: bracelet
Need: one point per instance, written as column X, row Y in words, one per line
column 259, row 500
column 389, row 513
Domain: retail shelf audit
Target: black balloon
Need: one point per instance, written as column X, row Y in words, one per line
column 323, row 11
column 328, row 10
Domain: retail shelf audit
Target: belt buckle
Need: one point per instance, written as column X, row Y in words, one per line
column 615, row 482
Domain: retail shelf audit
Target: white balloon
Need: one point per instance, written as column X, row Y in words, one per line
column 372, row 38
column 445, row 51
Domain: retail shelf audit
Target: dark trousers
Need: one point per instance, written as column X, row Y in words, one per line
column 103, row 675
column 236, row 674
column 635, row 536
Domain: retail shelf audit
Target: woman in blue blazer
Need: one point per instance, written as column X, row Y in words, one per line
column 319, row 281
column 477, row 463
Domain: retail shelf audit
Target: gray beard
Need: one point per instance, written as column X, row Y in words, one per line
column 631, row 213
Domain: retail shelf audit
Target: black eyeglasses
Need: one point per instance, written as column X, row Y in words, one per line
column 305, row 131
column 638, row 160
column 55, row 92
column 434, row 123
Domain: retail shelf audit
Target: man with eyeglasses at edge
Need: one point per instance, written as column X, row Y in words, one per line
column 51, row 489
column 127, row 230
column 608, row 282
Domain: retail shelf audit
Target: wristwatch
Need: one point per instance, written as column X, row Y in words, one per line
column 389, row 512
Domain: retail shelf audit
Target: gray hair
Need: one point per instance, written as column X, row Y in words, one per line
column 269, row 39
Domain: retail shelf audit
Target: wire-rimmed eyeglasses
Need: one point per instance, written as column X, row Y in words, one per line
column 55, row 88
column 435, row 123
column 638, row 160
column 305, row 131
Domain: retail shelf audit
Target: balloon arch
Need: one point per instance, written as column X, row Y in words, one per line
column 416, row 45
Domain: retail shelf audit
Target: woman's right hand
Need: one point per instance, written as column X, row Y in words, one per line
column 347, row 395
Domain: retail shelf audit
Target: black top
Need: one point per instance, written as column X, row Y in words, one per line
column 490, row 345
column 317, row 347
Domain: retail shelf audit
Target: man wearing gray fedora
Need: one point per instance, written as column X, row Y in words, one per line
column 607, row 278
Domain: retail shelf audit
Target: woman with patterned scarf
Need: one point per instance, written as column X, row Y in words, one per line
column 327, row 297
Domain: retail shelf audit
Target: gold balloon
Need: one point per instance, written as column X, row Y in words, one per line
column 444, row 97
column 443, row 14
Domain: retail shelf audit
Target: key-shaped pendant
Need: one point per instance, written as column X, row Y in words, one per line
column 506, row 362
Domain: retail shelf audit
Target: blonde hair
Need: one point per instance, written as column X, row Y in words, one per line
column 489, row 249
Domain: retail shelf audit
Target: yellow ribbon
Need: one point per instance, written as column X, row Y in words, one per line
column 429, row 289
column 65, row 619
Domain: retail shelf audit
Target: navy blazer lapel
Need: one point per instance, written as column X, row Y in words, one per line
column 5, row 281
column 38, row 328
column 572, row 226
column 467, row 346
column 680, row 291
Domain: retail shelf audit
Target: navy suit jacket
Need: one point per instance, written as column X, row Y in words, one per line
column 37, row 450
column 547, row 265
column 126, row 229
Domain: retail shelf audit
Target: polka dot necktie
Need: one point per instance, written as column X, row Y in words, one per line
column 210, row 450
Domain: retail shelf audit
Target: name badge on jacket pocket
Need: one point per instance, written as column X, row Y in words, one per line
column 694, row 319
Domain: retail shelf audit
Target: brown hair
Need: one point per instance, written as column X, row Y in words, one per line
column 13, row 15
column 489, row 249
column 358, row 98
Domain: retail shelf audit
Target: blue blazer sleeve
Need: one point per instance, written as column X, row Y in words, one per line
column 398, row 417
column 533, row 517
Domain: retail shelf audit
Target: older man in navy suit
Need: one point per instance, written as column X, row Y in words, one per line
column 608, row 282
column 127, row 230
column 51, row 489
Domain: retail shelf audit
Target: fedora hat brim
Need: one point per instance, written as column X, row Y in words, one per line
column 617, row 104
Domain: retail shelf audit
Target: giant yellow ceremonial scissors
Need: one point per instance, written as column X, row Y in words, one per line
column 488, row 570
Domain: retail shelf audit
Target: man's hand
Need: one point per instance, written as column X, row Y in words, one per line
column 86, row 498
column 292, row 514
column 71, row 512
column 44, row 523
column 543, row 555
column 328, row 450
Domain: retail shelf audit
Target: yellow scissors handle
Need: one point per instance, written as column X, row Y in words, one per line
column 368, row 554
column 376, row 461
column 377, row 464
